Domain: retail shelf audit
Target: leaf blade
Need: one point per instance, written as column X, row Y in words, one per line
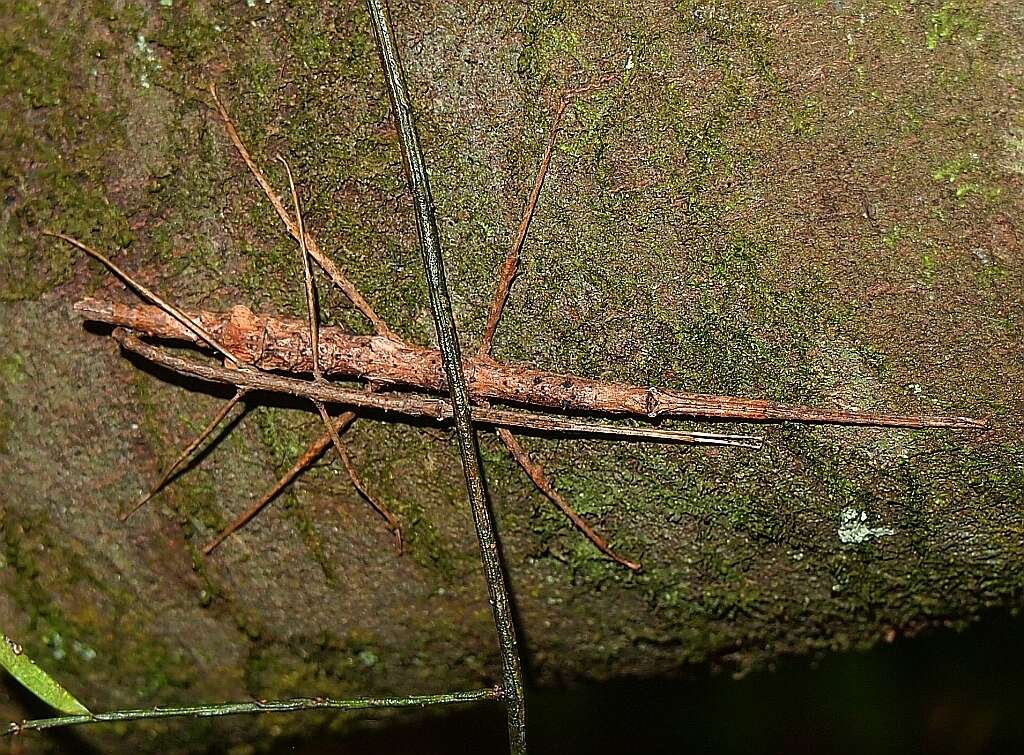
column 37, row 681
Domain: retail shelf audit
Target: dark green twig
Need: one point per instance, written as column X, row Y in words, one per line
column 448, row 342
column 259, row 706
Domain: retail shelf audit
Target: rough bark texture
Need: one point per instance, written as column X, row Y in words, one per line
column 807, row 202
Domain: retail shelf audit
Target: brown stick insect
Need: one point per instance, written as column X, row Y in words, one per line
column 266, row 353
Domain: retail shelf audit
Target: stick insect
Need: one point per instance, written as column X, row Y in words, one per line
column 258, row 344
column 275, row 355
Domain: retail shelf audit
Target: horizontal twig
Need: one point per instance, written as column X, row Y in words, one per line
column 283, row 344
column 258, row 706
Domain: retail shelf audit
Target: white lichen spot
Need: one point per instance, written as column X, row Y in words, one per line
column 149, row 60
column 56, row 642
column 83, row 651
column 853, row 527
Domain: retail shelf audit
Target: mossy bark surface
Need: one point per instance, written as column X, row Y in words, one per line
column 816, row 202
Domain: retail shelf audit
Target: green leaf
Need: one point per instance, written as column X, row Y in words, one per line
column 44, row 686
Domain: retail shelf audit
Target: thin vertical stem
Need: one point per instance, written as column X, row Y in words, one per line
column 448, row 342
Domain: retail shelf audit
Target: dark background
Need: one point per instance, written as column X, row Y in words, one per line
column 946, row 692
